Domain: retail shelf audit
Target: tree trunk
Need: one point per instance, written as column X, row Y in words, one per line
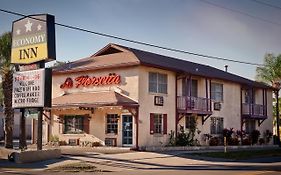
column 277, row 116
column 8, row 110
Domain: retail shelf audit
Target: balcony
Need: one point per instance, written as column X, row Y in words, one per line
column 253, row 111
column 194, row 105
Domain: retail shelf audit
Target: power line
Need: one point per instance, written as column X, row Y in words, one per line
column 136, row 42
column 267, row 4
column 241, row 12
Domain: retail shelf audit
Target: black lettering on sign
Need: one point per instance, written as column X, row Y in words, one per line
column 28, row 53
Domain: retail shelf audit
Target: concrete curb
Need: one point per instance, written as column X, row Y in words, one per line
column 206, row 148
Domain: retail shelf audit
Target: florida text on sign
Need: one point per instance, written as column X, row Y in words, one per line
column 33, row 39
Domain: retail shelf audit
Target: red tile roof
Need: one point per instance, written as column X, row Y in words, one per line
column 93, row 99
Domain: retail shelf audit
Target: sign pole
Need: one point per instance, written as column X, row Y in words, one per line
column 39, row 129
column 22, row 145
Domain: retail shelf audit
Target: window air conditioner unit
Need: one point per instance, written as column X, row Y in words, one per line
column 217, row 106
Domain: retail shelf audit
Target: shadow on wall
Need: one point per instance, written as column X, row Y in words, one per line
column 16, row 130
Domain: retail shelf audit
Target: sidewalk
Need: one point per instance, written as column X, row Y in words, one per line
column 175, row 160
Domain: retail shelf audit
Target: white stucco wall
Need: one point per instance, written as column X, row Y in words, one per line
column 146, row 101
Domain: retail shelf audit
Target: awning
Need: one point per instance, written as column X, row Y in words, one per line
column 92, row 99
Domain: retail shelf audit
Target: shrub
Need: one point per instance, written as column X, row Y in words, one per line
column 96, row 144
column 255, row 134
column 214, row 141
column 246, row 141
column 267, row 135
column 227, row 132
column 233, row 141
column 62, row 143
column 261, row 141
column 172, row 139
column 54, row 138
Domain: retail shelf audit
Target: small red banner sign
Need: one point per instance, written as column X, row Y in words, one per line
column 86, row 81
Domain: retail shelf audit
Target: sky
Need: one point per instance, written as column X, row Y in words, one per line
column 242, row 30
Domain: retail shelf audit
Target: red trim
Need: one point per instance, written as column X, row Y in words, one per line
column 86, row 124
column 151, row 123
column 164, row 123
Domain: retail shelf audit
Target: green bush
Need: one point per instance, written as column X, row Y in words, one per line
column 233, row 141
column 255, row 134
column 246, row 141
column 261, row 141
column 267, row 135
column 54, row 138
column 214, row 141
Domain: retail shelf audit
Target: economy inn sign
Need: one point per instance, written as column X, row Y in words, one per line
column 33, row 44
column 33, row 39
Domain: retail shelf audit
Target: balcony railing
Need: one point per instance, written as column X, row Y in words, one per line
column 253, row 110
column 196, row 105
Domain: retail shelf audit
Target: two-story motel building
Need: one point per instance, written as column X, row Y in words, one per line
column 122, row 96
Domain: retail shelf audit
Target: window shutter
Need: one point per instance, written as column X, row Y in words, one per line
column 86, row 124
column 164, row 123
column 151, row 123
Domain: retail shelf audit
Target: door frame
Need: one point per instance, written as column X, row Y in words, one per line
column 128, row 145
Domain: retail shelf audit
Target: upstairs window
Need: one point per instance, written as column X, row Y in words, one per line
column 186, row 87
column 217, row 92
column 158, row 83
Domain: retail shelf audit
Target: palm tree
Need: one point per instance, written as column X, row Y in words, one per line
column 6, row 72
column 271, row 73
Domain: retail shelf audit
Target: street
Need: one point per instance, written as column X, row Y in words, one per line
column 148, row 163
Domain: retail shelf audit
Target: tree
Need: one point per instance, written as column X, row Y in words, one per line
column 270, row 73
column 6, row 72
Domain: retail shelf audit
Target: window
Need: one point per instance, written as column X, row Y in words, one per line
column 216, row 125
column 249, row 98
column 190, row 122
column 158, row 123
column 112, row 123
column 157, row 83
column 73, row 124
column 250, row 126
column 217, row 91
column 186, row 88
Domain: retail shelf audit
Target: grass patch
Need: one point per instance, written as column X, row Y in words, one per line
column 242, row 155
column 76, row 167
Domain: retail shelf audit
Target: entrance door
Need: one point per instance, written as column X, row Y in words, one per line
column 127, row 126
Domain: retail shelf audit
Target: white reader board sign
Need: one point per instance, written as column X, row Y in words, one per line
column 29, row 89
